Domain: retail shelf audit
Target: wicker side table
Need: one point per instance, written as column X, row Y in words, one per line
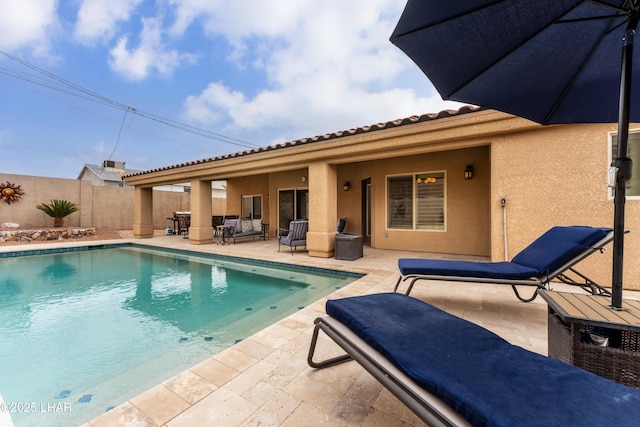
column 571, row 315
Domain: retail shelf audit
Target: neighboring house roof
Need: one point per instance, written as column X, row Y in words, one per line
column 106, row 174
column 355, row 131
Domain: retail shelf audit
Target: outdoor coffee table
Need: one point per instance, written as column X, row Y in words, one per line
column 573, row 316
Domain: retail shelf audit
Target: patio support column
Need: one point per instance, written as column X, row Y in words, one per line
column 143, row 212
column 200, row 231
column 323, row 205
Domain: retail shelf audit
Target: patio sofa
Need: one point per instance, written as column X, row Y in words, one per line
column 245, row 228
column 451, row 372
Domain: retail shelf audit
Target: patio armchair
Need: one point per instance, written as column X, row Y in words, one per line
column 297, row 235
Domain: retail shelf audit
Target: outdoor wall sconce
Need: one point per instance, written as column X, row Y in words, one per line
column 346, row 186
column 468, row 172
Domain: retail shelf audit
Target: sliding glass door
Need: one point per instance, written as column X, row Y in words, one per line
column 292, row 204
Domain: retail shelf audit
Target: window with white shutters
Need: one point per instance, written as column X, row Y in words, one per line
column 416, row 202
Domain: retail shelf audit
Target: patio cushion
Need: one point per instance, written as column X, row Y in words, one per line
column 298, row 230
column 246, row 225
column 440, row 267
column 545, row 255
column 558, row 246
column 479, row 374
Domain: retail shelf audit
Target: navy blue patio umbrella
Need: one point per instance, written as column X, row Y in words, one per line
column 550, row 61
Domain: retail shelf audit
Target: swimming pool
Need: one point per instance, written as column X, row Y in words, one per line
column 83, row 331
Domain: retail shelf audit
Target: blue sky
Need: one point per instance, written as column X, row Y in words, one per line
column 249, row 73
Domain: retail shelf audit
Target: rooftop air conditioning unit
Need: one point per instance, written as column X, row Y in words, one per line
column 113, row 164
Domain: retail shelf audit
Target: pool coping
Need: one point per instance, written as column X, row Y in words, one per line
column 83, row 248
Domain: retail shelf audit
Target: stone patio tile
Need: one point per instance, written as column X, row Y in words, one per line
column 125, row 415
column 159, row 404
column 189, row 386
column 310, row 416
column 274, row 411
column 215, row 371
column 220, row 408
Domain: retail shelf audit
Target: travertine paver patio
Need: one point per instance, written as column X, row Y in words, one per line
column 265, row 380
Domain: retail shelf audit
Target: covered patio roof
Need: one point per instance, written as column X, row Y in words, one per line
column 427, row 132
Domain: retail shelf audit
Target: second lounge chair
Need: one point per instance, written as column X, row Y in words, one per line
column 549, row 257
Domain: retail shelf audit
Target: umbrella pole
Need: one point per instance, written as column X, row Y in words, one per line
column 622, row 163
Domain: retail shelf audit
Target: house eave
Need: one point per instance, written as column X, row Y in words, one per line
column 471, row 128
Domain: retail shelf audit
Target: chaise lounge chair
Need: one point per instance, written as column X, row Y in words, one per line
column 548, row 258
column 451, row 372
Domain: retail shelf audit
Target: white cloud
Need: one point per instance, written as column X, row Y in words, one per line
column 150, row 54
column 98, row 19
column 329, row 65
column 26, row 23
column 241, row 18
column 204, row 107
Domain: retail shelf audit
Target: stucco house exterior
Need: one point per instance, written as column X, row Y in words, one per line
column 473, row 182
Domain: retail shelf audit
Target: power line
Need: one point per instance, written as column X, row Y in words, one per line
column 120, row 131
column 57, row 83
column 108, row 120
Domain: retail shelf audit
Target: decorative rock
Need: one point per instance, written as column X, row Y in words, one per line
column 44, row 234
column 9, row 225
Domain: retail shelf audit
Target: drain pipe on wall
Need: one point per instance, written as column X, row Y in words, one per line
column 503, row 203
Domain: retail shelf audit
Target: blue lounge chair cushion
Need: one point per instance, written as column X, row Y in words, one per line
column 545, row 255
column 558, row 246
column 443, row 267
column 479, row 374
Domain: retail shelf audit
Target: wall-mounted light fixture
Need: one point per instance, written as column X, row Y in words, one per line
column 346, row 186
column 468, row 172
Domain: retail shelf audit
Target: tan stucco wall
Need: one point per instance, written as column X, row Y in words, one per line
column 219, row 206
column 100, row 207
column 41, row 190
column 468, row 224
column 112, row 207
column 467, row 201
column 556, row 176
column 254, row 185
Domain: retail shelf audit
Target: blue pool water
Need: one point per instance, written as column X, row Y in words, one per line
column 83, row 331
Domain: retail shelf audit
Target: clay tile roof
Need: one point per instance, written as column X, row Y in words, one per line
column 329, row 136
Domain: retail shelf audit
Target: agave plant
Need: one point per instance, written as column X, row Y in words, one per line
column 58, row 209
